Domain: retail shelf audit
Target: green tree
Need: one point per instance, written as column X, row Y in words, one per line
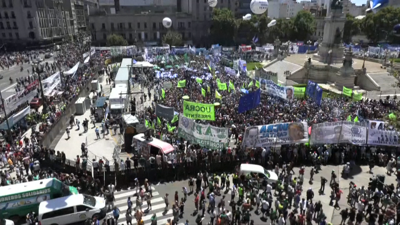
column 116, row 40
column 173, row 38
column 351, row 28
column 223, row 26
column 303, row 25
column 282, row 30
column 378, row 26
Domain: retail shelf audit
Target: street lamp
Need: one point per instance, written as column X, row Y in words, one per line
column 309, row 44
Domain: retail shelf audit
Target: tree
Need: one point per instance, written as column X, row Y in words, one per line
column 351, row 28
column 303, row 25
column 223, row 27
column 173, row 38
column 116, row 40
column 282, row 30
column 378, row 26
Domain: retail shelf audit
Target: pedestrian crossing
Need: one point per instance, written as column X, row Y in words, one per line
column 157, row 207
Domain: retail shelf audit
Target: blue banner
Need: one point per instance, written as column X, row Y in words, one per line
column 318, row 95
column 249, row 101
column 311, row 89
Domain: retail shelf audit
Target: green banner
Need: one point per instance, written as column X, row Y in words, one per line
column 347, row 91
column 222, row 86
column 299, row 92
column 181, row 83
column 198, row 111
column 357, row 96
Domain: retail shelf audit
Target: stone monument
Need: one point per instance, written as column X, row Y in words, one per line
column 346, row 75
column 331, row 49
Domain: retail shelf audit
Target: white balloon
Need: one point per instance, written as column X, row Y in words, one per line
column 272, row 23
column 167, row 22
column 259, row 6
column 212, row 3
column 247, row 17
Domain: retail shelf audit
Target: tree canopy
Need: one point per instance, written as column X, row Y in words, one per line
column 173, row 38
column 224, row 26
column 116, row 40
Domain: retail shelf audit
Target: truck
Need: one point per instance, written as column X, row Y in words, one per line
column 17, row 200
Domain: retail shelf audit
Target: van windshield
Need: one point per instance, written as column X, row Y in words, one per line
column 266, row 173
column 89, row 200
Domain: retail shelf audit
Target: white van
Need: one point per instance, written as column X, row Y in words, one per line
column 260, row 171
column 71, row 209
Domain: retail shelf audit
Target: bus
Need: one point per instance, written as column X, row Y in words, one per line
column 17, row 200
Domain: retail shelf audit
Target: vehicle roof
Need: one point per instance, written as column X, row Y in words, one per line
column 244, row 167
column 164, row 146
column 60, row 203
column 122, row 74
column 26, row 187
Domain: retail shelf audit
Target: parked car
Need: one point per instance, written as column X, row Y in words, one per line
column 6, row 222
column 36, row 103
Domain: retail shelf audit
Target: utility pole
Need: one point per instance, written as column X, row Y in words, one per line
column 44, row 110
column 5, row 115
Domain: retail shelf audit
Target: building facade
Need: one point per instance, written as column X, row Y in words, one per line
column 37, row 22
column 279, row 9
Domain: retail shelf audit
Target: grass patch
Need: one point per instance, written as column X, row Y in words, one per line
column 253, row 65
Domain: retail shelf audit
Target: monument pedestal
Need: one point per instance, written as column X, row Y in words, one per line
column 346, row 75
column 329, row 53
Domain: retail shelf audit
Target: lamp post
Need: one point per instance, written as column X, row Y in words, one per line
column 309, row 44
column 8, row 125
column 44, row 110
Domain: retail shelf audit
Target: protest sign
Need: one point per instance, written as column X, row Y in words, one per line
column 198, row 111
column 339, row 132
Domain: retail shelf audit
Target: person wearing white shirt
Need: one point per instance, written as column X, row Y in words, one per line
column 265, row 207
column 281, row 220
column 268, row 189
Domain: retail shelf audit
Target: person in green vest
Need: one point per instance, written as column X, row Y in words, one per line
column 241, row 193
column 273, row 216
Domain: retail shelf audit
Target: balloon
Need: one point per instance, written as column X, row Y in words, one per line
column 167, row 22
column 376, row 5
column 247, row 17
column 212, row 3
column 396, row 30
column 259, row 6
column 272, row 23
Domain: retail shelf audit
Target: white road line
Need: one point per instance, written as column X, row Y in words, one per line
column 153, row 207
column 153, row 201
column 162, row 221
column 9, row 87
column 130, row 194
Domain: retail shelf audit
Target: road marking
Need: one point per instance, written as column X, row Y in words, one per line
column 9, row 87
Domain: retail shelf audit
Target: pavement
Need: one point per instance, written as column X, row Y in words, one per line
column 333, row 215
column 97, row 148
column 281, row 67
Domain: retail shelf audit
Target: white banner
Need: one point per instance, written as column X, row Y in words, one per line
column 50, row 83
column 284, row 92
column 338, row 132
column 73, row 70
column 206, row 136
column 275, row 134
column 378, row 136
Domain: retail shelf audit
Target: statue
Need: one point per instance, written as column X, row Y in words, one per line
column 336, row 4
column 338, row 36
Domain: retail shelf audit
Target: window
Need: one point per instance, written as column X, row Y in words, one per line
column 30, row 24
column 6, row 15
column 112, row 26
column 15, row 24
column 145, row 25
column 8, row 25
column 138, row 25
column 10, row 35
column 17, row 35
column 160, row 25
column 130, row 25
column 103, row 26
column 189, row 24
column 12, row 14
column 93, row 28
column 155, row 36
column 4, row 35
column 154, row 25
column 189, row 35
column 11, row 3
column 82, row 208
column 105, row 36
column 1, row 25
column 29, row 14
column 183, row 35
column 60, row 212
column 197, row 1
column 130, row 36
column 145, row 36
column 139, row 36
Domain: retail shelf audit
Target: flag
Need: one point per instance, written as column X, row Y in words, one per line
column 231, row 86
column 349, row 118
column 170, row 129
column 208, row 89
column 159, row 121
column 243, row 86
column 218, row 81
column 163, row 93
column 186, row 58
column 251, row 84
column 218, row 95
column 147, row 124
column 257, row 84
column 209, row 68
column 255, row 40
column 222, row 86
column 176, row 118
column 199, row 80
column 181, row 84
column 355, row 119
column 357, row 96
column 392, row 116
column 203, row 92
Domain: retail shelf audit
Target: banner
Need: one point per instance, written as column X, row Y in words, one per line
column 284, row 92
column 299, row 92
column 347, row 91
column 230, row 71
column 249, row 101
column 165, row 112
column 206, row 136
column 198, row 111
column 338, row 132
column 318, row 95
column 275, row 134
column 311, row 89
column 378, row 136
column 50, row 83
column 261, row 73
